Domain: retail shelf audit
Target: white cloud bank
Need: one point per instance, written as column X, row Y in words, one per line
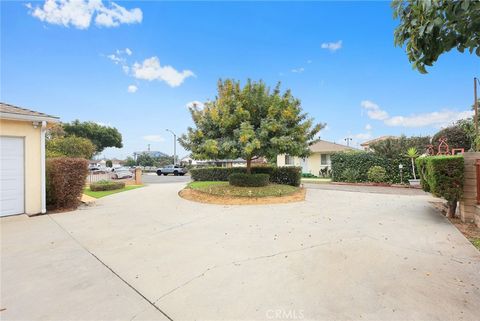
column 80, row 13
column 332, row 46
column 154, row 138
column 150, row 69
column 438, row 119
column 132, row 89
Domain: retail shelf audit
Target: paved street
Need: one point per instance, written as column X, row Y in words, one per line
column 146, row 253
column 152, row 178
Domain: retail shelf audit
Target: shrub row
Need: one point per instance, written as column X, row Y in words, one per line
column 279, row 175
column 249, row 180
column 443, row 177
column 106, row 186
column 65, row 180
column 354, row 167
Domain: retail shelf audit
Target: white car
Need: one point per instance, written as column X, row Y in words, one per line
column 121, row 172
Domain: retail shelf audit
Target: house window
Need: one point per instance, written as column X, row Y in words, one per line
column 323, row 159
column 289, row 160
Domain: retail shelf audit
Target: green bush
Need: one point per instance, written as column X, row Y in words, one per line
column 377, row 174
column 363, row 161
column 443, row 177
column 351, row 175
column 65, row 180
column 249, row 180
column 287, row 175
column 308, row 175
column 105, row 185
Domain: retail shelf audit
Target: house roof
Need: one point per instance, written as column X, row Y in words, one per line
column 325, row 146
column 378, row 139
column 8, row 111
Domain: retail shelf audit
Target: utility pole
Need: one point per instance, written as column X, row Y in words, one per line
column 475, row 103
column 348, row 140
column 174, row 146
column 148, row 147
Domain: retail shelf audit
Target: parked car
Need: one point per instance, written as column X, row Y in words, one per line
column 172, row 169
column 121, row 172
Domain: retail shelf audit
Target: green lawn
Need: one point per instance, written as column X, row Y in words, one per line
column 224, row 189
column 316, row 180
column 476, row 242
column 100, row 194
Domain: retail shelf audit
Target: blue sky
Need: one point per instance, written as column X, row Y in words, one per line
column 72, row 61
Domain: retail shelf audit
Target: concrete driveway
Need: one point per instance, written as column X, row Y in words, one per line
column 148, row 255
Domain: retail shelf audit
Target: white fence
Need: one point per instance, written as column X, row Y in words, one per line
column 95, row 177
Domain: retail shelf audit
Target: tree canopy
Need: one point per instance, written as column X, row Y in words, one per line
column 101, row 136
column 395, row 147
column 248, row 122
column 457, row 136
column 430, row 28
column 70, row 146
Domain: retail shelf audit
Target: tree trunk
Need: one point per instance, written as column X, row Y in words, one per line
column 452, row 208
column 249, row 165
column 413, row 169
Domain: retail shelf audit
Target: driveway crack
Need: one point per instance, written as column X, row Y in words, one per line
column 113, row 272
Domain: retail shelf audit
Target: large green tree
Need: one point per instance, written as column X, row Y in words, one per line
column 248, row 122
column 430, row 28
column 101, row 136
column 396, row 147
column 70, row 146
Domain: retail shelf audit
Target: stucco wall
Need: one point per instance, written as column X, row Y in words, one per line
column 33, row 194
column 312, row 163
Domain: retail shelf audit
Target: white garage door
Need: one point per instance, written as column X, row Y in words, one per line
column 12, row 186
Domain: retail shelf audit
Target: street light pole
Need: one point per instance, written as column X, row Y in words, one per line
column 348, row 139
column 174, row 146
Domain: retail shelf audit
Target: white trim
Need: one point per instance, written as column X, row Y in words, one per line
column 12, row 116
column 42, row 160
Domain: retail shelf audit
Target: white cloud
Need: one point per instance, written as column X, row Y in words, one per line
column 79, row 13
column 150, row 69
column 154, row 138
column 362, row 136
column 368, row 127
column 128, row 51
column 332, row 46
column 195, row 103
column 436, row 119
column 132, row 89
column 373, row 110
column 298, row 70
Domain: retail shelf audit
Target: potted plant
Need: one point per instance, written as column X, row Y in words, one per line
column 412, row 153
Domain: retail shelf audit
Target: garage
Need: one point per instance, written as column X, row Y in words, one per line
column 12, row 181
column 22, row 160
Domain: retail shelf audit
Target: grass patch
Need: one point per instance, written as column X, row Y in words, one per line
column 101, row 194
column 225, row 189
column 318, row 180
column 476, row 242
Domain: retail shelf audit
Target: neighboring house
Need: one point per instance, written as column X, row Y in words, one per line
column 366, row 145
column 319, row 158
column 22, row 160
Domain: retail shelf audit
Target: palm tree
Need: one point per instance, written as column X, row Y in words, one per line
column 412, row 153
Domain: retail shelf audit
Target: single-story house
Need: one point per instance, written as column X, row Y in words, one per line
column 22, row 160
column 366, row 145
column 319, row 158
column 238, row 162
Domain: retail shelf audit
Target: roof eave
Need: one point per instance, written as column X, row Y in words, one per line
column 20, row 117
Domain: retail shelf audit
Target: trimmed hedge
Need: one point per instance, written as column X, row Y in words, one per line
column 106, row 186
column 355, row 165
column 249, row 180
column 65, row 180
column 443, row 177
column 287, row 175
column 377, row 174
